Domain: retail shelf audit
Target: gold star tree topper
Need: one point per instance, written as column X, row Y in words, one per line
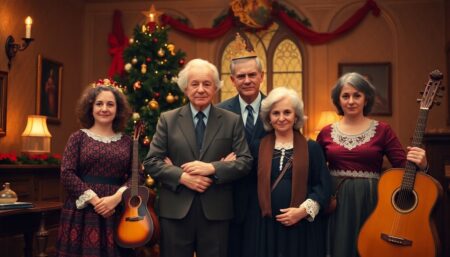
column 152, row 15
column 239, row 49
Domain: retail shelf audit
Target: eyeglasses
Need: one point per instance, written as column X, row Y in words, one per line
column 251, row 75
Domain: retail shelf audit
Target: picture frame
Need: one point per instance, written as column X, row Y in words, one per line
column 3, row 101
column 49, row 85
column 379, row 74
column 448, row 84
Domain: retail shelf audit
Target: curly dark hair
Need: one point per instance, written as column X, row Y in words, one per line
column 86, row 104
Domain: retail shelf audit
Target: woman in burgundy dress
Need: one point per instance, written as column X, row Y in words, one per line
column 95, row 170
column 354, row 148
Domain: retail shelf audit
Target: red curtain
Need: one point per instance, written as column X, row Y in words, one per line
column 117, row 42
column 207, row 33
column 312, row 37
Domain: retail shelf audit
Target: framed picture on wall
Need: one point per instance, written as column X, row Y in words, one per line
column 3, row 97
column 49, row 84
column 448, row 84
column 379, row 74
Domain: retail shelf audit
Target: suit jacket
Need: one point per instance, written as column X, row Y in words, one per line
column 245, row 189
column 175, row 138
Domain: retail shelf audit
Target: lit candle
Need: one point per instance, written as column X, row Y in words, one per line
column 152, row 17
column 28, row 22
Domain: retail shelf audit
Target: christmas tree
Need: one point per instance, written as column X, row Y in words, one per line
column 150, row 79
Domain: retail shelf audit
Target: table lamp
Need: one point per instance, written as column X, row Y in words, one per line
column 36, row 137
column 326, row 117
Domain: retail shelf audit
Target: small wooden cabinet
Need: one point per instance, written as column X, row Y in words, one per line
column 32, row 183
column 437, row 146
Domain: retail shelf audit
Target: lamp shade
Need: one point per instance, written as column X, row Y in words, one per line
column 326, row 117
column 36, row 137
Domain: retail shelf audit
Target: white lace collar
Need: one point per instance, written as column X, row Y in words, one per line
column 102, row 139
column 352, row 141
column 285, row 146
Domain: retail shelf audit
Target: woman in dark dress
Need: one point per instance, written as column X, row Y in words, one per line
column 95, row 170
column 290, row 225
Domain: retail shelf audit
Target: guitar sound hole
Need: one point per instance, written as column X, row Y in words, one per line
column 405, row 200
column 135, row 201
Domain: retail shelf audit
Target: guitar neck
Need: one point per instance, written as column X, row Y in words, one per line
column 410, row 168
column 134, row 169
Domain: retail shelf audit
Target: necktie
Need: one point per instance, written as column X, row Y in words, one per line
column 250, row 123
column 200, row 129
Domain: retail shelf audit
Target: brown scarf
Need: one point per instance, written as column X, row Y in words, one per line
column 300, row 165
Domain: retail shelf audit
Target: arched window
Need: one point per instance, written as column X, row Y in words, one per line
column 281, row 58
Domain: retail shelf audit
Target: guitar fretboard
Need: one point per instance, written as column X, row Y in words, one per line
column 410, row 168
column 134, row 169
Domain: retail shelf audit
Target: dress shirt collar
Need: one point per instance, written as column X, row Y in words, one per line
column 205, row 111
column 255, row 105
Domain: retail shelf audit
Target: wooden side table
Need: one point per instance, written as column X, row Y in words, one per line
column 30, row 222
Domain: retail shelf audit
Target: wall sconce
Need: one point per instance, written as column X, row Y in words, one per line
column 36, row 137
column 326, row 117
column 12, row 48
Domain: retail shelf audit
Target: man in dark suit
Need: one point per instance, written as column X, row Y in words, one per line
column 247, row 76
column 195, row 199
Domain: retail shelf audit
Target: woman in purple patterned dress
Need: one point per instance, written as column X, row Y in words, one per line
column 354, row 148
column 95, row 171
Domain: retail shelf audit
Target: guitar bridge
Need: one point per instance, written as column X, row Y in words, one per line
column 137, row 218
column 396, row 240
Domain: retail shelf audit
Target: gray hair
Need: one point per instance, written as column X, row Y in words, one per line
column 357, row 81
column 241, row 60
column 277, row 95
column 183, row 76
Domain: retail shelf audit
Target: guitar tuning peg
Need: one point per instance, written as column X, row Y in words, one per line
column 437, row 103
column 442, row 88
column 418, row 100
column 421, row 92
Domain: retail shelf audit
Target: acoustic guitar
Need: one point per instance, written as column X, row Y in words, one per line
column 401, row 224
column 136, row 226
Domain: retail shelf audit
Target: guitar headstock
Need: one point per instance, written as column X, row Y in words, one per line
column 138, row 128
column 432, row 89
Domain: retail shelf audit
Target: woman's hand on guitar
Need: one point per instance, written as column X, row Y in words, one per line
column 418, row 156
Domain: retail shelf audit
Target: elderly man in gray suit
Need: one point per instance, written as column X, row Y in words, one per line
column 206, row 151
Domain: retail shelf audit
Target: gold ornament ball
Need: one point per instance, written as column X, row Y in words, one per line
column 153, row 104
column 127, row 67
column 170, row 98
column 136, row 116
column 134, row 60
column 131, row 40
column 149, row 181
